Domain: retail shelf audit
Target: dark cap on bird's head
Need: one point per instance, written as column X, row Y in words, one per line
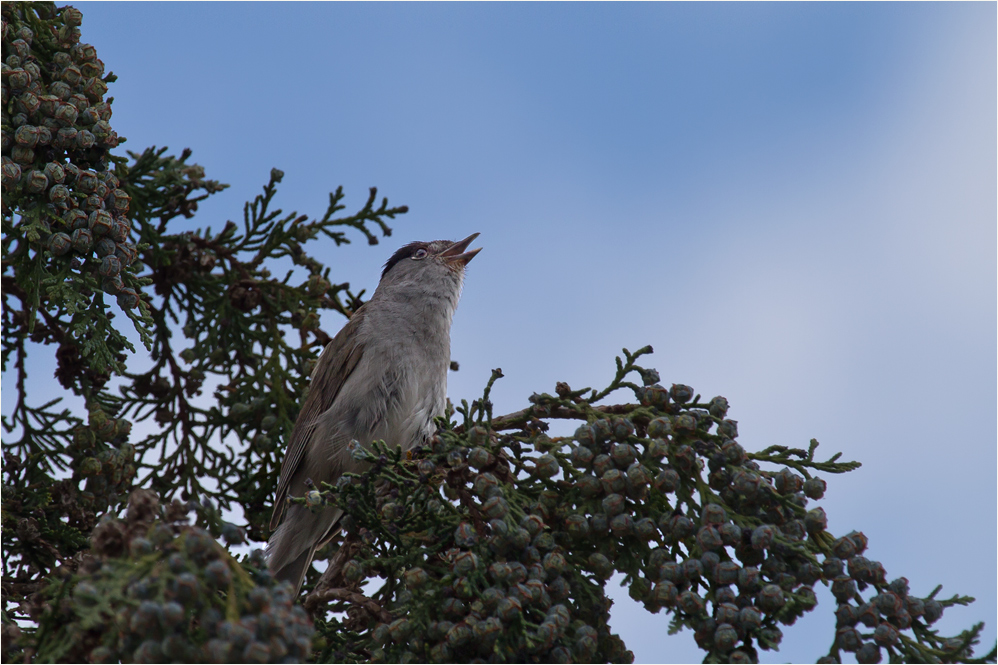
column 445, row 252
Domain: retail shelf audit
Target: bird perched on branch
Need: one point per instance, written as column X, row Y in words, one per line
column 384, row 376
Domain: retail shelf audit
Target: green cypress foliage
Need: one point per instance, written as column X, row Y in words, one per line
column 492, row 543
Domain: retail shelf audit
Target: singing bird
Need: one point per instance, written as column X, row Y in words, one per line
column 383, row 377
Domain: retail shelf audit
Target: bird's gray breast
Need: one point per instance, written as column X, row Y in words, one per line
column 400, row 383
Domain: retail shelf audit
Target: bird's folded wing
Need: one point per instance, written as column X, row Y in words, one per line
column 336, row 362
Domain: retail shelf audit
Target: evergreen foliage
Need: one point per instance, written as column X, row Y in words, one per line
column 494, row 542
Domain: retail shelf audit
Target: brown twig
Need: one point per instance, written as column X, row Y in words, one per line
column 476, row 515
column 369, row 604
column 520, row 418
column 330, row 577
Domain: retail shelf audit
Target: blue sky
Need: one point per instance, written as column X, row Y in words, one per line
column 795, row 204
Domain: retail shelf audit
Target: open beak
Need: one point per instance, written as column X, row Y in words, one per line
column 456, row 254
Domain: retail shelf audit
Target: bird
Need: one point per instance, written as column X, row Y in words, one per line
column 382, row 377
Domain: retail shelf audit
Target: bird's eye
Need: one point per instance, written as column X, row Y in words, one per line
column 419, row 253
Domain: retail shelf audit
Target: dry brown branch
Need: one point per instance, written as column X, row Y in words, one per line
column 331, row 576
column 353, row 597
column 518, row 419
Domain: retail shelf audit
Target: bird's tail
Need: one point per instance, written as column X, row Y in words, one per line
column 294, row 571
column 294, row 543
